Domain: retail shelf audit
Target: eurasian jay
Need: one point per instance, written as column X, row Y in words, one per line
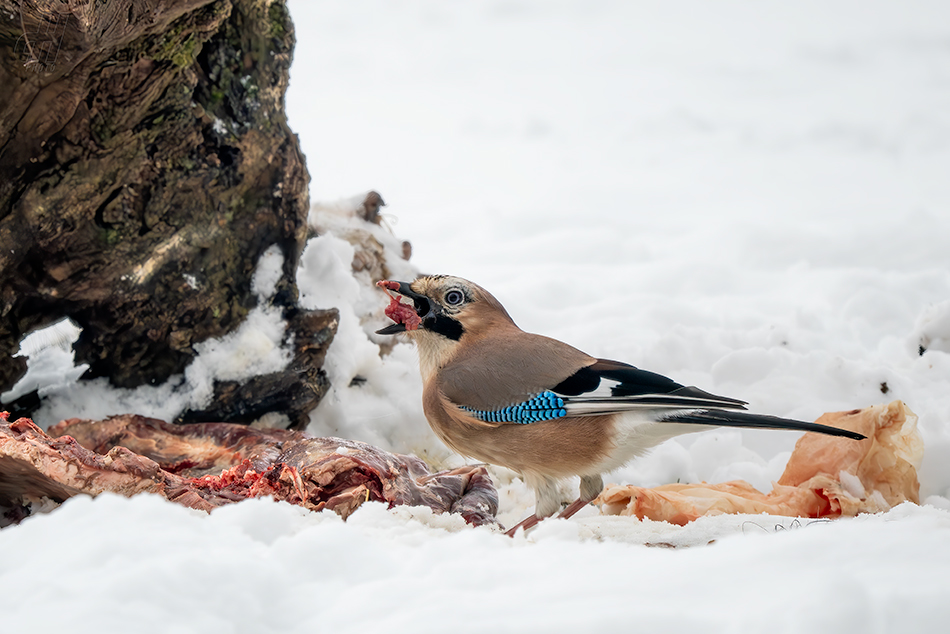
column 531, row 403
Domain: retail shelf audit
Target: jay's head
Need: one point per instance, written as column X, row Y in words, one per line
column 443, row 309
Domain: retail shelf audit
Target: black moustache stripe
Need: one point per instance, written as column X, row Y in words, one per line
column 445, row 326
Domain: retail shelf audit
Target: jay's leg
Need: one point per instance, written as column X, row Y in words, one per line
column 527, row 523
column 591, row 486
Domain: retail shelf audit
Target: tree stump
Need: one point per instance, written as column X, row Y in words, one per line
column 145, row 166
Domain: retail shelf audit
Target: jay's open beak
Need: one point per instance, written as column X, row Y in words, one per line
column 406, row 317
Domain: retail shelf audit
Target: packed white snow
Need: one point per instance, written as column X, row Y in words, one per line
column 748, row 197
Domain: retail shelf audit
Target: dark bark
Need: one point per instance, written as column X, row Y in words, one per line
column 145, row 165
column 294, row 391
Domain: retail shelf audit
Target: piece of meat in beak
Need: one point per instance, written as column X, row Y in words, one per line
column 407, row 317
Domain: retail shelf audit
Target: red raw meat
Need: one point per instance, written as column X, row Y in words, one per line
column 397, row 311
column 206, row 465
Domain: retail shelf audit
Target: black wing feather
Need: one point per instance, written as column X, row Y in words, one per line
column 723, row 418
column 640, row 389
column 581, row 382
column 632, row 381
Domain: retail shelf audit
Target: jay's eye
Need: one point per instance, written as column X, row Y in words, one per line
column 454, row 297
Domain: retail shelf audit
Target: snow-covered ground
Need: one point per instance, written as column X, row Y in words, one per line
column 749, row 197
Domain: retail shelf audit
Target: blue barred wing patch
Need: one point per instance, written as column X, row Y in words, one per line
column 544, row 406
